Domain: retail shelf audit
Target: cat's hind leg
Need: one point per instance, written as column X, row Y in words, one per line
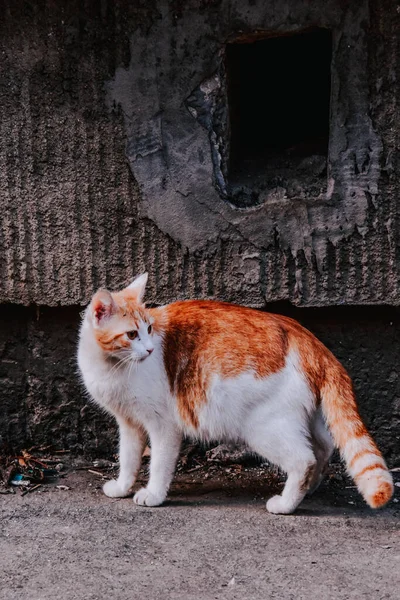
column 285, row 443
column 323, row 447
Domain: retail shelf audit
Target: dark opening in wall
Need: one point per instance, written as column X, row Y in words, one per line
column 279, row 96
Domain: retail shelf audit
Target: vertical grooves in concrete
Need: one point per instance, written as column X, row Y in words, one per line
column 69, row 207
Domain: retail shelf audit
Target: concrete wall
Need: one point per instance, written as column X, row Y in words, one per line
column 42, row 401
column 109, row 156
column 114, row 134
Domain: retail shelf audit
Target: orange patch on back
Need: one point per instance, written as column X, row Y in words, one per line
column 203, row 338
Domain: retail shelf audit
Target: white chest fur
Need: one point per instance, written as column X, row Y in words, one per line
column 137, row 390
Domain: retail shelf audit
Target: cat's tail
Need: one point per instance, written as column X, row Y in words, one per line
column 359, row 451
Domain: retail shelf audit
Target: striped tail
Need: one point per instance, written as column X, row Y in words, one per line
column 363, row 460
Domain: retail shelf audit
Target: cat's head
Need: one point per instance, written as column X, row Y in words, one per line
column 121, row 324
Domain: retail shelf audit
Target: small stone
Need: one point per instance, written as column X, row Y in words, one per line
column 100, row 463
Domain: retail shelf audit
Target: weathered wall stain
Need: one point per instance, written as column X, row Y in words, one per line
column 176, row 65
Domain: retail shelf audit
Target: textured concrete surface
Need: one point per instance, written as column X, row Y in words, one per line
column 213, row 540
column 89, row 88
column 42, row 401
column 186, row 152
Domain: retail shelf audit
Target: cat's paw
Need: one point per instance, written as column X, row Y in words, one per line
column 277, row 506
column 114, row 489
column 145, row 498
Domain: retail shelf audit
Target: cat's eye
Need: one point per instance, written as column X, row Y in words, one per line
column 149, row 329
column 132, row 335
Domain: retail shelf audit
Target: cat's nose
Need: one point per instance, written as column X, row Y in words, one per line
column 150, row 350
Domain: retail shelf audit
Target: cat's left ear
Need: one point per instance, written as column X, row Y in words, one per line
column 103, row 307
column 138, row 285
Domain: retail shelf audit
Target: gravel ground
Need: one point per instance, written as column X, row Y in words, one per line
column 212, row 540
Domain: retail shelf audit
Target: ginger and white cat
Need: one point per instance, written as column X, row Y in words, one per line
column 216, row 371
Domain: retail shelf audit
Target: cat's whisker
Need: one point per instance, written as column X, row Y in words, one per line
column 120, row 364
column 130, row 368
column 134, row 363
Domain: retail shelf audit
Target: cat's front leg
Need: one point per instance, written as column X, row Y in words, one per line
column 132, row 440
column 165, row 444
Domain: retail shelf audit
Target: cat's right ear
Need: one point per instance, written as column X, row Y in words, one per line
column 102, row 307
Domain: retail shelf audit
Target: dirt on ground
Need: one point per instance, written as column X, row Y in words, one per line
column 213, row 539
